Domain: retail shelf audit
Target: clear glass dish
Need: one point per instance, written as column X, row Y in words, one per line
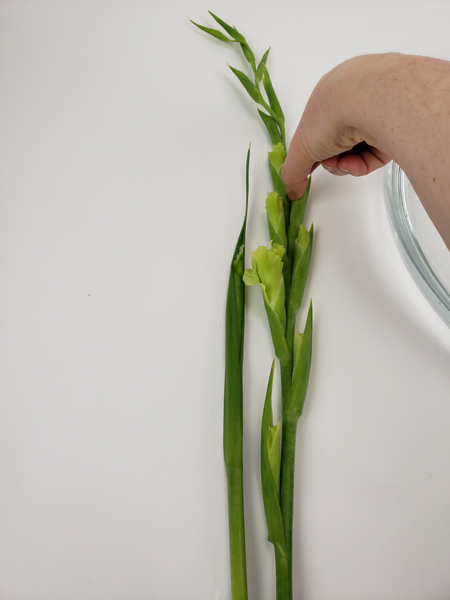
column 421, row 247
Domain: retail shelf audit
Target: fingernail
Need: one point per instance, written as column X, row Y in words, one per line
column 341, row 169
column 290, row 193
column 329, row 169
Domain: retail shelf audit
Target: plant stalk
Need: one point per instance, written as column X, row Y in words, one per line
column 288, row 439
column 283, row 587
column 236, row 525
column 291, row 319
column 286, row 377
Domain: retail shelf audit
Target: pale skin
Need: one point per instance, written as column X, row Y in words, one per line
column 391, row 107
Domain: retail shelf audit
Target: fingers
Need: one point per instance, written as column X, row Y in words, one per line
column 360, row 160
column 316, row 141
column 340, row 114
column 321, row 134
column 364, row 162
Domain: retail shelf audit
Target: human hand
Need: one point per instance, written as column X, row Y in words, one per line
column 374, row 108
column 331, row 132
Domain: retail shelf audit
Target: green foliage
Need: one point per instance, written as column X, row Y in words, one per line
column 252, row 89
column 233, row 422
column 214, row 32
column 273, row 118
column 271, row 126
column 270, row 478
column 273, row 100
column 281, row 272
column 301, row 368
column 300, row 269
column 262, row 65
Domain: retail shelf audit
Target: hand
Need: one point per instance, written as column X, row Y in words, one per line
column 324, row 136
column 374, row 108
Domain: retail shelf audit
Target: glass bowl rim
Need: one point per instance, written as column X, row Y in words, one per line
column 414, row 257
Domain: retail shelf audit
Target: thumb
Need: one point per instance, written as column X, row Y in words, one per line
column 297, row 167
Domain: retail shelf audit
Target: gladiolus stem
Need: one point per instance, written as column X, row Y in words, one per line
column 288, row 438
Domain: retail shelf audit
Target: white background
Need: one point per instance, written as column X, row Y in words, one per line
column 123, row 137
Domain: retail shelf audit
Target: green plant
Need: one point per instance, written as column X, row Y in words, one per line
column 233, row 422
column 281, row 271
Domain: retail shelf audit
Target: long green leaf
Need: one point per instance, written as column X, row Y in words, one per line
column 250, row 57
column 233, row 425
column 271, row 126
column 214, row 32
column 251, row 88
column 229, row 29
column 271, row 95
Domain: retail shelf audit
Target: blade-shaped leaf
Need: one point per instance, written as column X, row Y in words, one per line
column 262, row 63
column 250, row 57
column 273, row 100
column 233, row 426
column 251, row 88
column 272, row 127
column 229, row 29
column 234, row 344
column 214, row 32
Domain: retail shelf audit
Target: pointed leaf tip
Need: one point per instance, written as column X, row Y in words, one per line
column 213, row 32
column 229, row 29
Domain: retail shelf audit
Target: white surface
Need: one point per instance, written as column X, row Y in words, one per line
column 123, row 141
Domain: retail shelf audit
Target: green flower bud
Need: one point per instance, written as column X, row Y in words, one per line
column 300, row 269
column 274, row 452
column 301, row 367
column 277, row 157
column 276, row 219
column 267, row 272
column 270, row 473
column 276, row 160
